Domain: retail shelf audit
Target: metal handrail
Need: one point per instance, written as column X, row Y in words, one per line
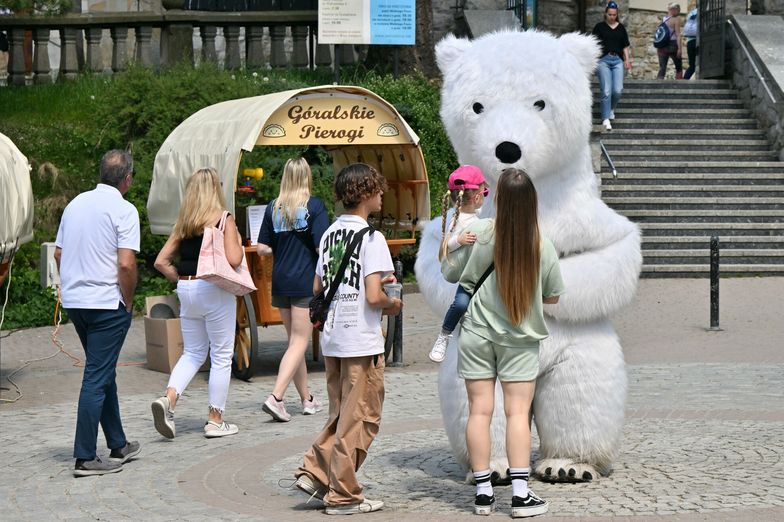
column 609, row 159
column 751, row 61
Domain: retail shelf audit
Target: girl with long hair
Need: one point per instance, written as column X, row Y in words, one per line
column 467, row 189
column 502, row 331
column 207, row 313
column 292, row 227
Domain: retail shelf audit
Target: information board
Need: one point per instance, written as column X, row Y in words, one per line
column 372, row 22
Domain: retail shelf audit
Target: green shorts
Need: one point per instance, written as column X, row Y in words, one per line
column 479, row 358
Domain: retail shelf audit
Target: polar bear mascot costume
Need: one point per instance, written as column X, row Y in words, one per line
column 523, row 99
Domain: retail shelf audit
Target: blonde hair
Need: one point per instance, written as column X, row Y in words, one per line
column 456, row 197
column 674, row 5
column 294, row 190
column 203, row 200
column 516, row 254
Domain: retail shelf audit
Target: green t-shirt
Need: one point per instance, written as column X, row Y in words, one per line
column 487, row 315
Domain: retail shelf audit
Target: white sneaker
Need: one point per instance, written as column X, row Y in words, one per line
column 607, row 125
column 612, row 115
column 213, row 429
column 311, row 407
column 276, row 409
column 366, row 506
column 163, row 417
column 438, row 352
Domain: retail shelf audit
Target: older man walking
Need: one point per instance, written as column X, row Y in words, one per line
column 95, row 251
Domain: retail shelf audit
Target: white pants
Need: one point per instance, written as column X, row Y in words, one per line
column 208, row 318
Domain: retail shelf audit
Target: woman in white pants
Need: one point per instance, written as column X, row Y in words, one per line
column 207, row 312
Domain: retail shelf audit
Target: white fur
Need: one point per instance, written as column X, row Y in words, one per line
column 581, row 388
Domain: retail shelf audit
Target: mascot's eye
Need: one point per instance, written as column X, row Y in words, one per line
column 539, row 104
column 478, row 108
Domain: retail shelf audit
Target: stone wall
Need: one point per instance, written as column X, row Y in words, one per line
column 769, row 112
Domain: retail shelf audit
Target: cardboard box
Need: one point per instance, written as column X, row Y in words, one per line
column 162, row 333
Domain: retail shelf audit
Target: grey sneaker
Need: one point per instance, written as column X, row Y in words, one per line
column 126, row 453
column 276, row 408
column 85, row 468
column 311, row 487
column 438, row 352
column 311, row 407
column 366, row 506
column 213, row 429
column 163, row 417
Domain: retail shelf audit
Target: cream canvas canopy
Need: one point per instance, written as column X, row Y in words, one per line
column 352, row 123
column 16, row 199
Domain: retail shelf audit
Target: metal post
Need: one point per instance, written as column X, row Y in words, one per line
column 714, row 283
column 397, row 340
column 336, row 51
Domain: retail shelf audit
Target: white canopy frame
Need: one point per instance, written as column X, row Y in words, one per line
column 217, row 136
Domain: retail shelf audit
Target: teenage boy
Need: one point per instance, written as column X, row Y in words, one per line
column 353, row 346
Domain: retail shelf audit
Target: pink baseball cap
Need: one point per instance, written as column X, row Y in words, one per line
column 466, row 177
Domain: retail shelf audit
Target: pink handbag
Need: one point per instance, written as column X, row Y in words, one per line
column 215, row 268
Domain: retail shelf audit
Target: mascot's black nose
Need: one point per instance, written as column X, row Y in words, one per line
column 508, row 152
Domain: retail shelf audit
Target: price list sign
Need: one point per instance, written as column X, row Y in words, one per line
column 373, row 22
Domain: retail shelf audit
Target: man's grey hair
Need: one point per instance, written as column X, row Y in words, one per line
column 115, row 165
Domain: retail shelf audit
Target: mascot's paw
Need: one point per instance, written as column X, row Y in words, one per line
column 565, row 470
column 499, row 473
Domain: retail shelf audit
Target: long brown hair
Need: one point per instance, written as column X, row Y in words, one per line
column 516, row 254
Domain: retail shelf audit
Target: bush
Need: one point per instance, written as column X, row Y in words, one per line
column 65, row 128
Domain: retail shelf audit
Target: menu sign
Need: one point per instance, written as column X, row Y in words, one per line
column 374, row 22
column 327, row 119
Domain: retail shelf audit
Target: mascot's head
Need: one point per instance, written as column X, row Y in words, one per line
column 517, row 99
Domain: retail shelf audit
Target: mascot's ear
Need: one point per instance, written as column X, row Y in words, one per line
column 449, row 51
column 584, row 48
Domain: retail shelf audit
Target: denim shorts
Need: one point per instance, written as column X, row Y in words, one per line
column 289, row 301
column 479, row 358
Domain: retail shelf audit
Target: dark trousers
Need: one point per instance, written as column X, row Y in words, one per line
column 664, row 55
column 456, row 310
column 691, row 51
column 102, row 333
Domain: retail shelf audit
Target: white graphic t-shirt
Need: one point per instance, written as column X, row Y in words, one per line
column 352, row 328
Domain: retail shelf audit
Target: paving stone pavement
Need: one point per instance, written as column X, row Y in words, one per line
column 702, row 441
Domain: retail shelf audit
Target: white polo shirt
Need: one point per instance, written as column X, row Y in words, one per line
column 94, row 225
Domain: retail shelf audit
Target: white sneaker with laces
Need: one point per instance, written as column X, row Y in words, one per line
column 276, row 409
column 163, row 417
column 607, row 124
column 612, row 115
column 438, row 352
column 366, row 506
column 213, row 429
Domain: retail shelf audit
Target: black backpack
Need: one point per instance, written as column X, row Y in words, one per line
column 662, row 36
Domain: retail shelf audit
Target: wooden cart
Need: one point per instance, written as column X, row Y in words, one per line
column 351, row 123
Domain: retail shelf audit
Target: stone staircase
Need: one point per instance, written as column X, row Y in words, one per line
column 692, row 163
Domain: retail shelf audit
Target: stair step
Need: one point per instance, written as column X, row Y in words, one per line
column 684, row 107
column 720, row 191
column 665, row 95
column 617, row 144
column 666, row 243
column 693, row 155
column 701, row 270
column 708, row 134
column 705, row 178
column 738, row 167
column 675, row 125
column 723, row 252
column 669, row 114
column 705, row 215
column 669, row 202
column 680, row 85
column 721, row 229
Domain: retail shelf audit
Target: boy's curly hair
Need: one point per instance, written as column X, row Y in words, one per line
column 357, row 182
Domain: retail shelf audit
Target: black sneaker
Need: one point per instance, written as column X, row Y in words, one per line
column 123, row 455
column 484, row 504
column 85, row 468
column 529, row 506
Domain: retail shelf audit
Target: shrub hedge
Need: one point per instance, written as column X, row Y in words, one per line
column 64, row 129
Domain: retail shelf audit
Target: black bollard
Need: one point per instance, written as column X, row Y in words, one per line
column 714, row 283
column 397, row 343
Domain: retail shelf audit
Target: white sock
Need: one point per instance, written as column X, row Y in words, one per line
column 519, row 481
column 483, row 484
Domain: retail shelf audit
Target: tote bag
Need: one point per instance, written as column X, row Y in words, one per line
column 215, row 268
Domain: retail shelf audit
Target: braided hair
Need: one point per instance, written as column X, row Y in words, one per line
column 456, row 197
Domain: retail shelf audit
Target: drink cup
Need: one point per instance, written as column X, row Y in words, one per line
column 393, row 290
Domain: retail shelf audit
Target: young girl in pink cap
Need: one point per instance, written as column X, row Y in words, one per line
column 467, row 192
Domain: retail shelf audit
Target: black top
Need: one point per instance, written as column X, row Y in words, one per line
column 612, row 40
column 189, row 254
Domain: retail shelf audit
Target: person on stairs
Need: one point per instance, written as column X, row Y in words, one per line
column 615, row 58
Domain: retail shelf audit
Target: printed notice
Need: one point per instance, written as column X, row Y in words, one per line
column 255, row 217
column 374, row 22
